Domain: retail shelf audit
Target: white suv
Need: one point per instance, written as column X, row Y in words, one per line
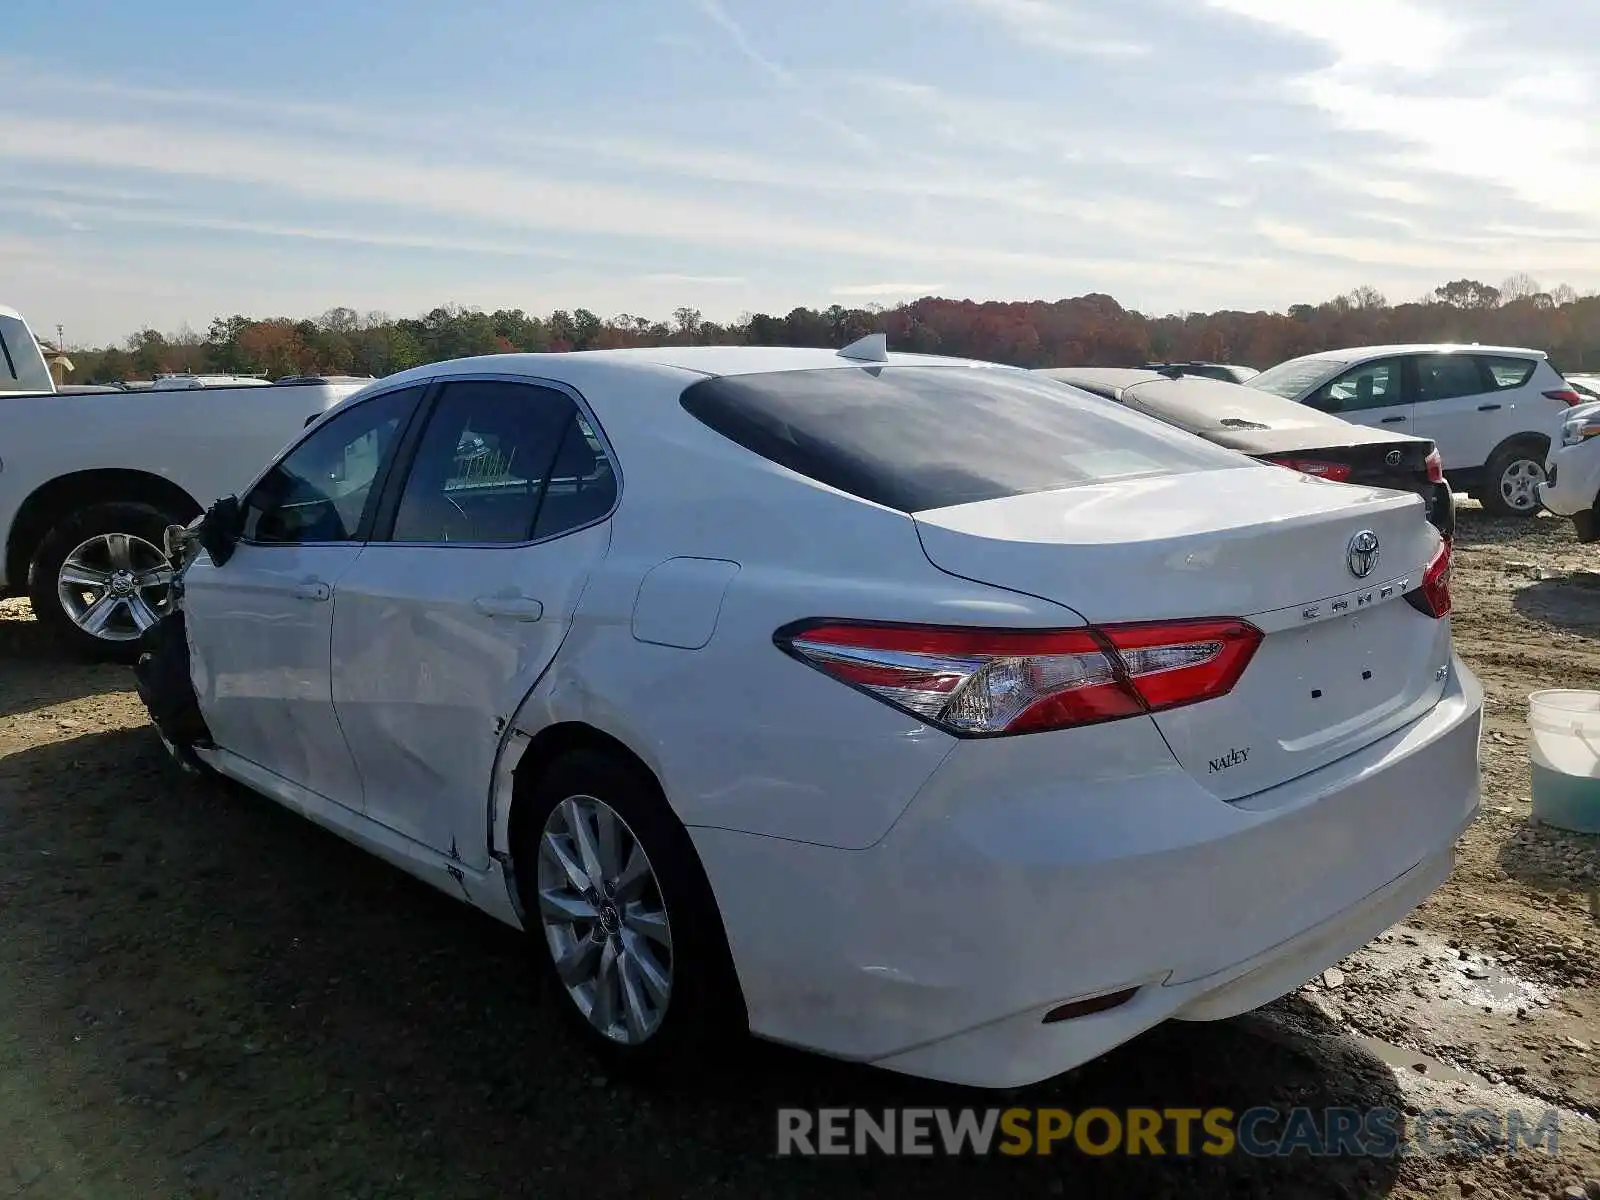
column 1489, row 409
column 1572, row 486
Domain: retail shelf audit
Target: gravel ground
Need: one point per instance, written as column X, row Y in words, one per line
column 203, row 995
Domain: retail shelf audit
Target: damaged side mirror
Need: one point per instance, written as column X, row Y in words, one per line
column 219, row 529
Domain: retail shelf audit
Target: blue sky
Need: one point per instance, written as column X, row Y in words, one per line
column 165, row 161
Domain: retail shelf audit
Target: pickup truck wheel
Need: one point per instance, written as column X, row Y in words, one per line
column 1511, row 481
column 100, row 579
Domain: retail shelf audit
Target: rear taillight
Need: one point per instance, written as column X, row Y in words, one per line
column 1435, row 467
column 1566, row 395
column 1338, row 472
column 1433, row 597
column 983, row 682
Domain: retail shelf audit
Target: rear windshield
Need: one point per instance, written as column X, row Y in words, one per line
column 920, row 438
column 1294, row 378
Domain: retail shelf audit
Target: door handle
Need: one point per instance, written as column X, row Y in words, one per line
column 312, row 589
column 510, row 608
column 1391, row 420
column 1487, row 407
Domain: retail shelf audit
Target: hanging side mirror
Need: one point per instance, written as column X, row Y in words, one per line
column 220, row 528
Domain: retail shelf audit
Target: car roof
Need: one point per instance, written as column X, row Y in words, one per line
column 710, row 361
column 1361, row 353
column 616, row 374
column 1230, row 414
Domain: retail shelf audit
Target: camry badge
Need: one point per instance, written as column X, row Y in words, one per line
column 1362, row 555
column 1392, row 458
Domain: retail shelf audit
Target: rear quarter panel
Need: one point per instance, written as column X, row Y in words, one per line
column 742, row 736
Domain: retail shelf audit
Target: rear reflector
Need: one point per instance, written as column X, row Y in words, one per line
column 977, row 682
column 1435, row 467
column 1082, row 1008
column 1433, row 597
column 1338, row 472
column 1566, row 395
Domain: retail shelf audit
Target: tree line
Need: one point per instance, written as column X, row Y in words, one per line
column 1086, row 330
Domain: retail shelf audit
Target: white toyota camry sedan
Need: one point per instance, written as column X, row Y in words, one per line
column 921, row 712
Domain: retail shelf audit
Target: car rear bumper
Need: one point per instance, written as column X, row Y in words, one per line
column 1018, row 881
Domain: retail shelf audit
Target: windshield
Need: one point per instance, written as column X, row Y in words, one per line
column 1293, row 379
column 921, row 438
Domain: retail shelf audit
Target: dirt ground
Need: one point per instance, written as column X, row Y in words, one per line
column 204, row 995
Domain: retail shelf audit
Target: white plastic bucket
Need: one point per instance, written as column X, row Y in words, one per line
column 1564, row 758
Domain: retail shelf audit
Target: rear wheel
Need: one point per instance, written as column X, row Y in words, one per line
column 100, row 578
column 1511, row 480
column 631, row 937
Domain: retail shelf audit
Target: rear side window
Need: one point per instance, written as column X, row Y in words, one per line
column 1446, row 376
column 1507, row 373
column 920, row 438
column 503, row 462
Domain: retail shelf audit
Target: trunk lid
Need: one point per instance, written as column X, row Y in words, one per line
column 1345, row 659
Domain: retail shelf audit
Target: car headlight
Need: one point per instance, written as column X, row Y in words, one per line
column 1580, row 430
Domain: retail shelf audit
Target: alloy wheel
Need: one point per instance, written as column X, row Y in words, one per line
column 1519, row 484
column 114, row 586
column 604, row 919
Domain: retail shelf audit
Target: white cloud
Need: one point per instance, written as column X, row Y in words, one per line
column 1058, row 25
column 698, row 280
column 718, row 15
column 1394, row 35
column 889, row 289
column 515, row 199
column 778, row 74
column 1325, row 145
column 1460, row 95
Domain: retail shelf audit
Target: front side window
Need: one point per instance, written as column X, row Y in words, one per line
column 319, row 491
column 1371, row 385
column 1446, row 376
column 503, row 462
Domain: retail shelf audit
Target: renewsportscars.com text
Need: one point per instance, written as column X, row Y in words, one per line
column 1261, row 1132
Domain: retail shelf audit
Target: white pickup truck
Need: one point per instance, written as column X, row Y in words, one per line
column 89, row 481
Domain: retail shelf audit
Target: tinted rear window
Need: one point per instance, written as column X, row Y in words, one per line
column 919, row 438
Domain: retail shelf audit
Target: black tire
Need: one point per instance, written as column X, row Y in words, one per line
column 1586, row 524
column 704, row 1007
column 1491, row 493
column 143, row 521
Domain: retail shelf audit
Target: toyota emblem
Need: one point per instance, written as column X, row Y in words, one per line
column 1363, row 553
column 1392, row 458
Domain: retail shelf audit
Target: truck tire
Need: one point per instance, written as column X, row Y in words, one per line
column 100, row 579
column 1511, row 480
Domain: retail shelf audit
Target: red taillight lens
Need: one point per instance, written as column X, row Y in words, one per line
column 1435, row 467
column 1433, row 597
column 1566, row 395
column 1338, row 472
column 977, row 682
